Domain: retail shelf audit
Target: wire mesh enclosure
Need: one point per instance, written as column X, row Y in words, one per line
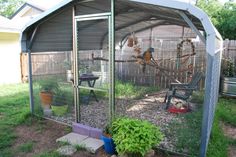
column 150, row 44
column 52, row 86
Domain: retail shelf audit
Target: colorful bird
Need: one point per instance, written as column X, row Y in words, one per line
column 147, row 57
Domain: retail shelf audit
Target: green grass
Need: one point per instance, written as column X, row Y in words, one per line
column 225, row 112
column 49, row 154
column 130, row 90
column 14, row 110
column 26, row 147
column 188, row 134
column 80, row 147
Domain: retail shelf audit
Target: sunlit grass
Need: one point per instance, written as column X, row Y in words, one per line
column 11, row 89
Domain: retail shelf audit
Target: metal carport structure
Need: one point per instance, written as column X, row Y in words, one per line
column 56, row 30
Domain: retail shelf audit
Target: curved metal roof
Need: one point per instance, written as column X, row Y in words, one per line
column 130, row 14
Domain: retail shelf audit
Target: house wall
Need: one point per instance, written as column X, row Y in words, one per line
column 9, row 58
column 31, row 12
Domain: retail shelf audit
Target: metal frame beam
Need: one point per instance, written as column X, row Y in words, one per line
column 120, row 12
column 192, row 26
column 30, row 70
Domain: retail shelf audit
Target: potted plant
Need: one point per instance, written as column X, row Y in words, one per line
column 59, row 104
column 108, row 141
column 135, row 137
column 228, row 81
column 47, row 88
column 69, row 73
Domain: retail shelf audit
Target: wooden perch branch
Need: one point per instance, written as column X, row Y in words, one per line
column 106, row 60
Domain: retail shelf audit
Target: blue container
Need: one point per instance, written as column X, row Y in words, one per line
column 109, row 145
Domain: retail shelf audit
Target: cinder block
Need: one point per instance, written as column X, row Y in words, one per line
column 81, row 129
column 95, row 133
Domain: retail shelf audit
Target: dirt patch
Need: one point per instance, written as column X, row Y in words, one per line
column 42, row 134
column 229, row 130
column 232, row 151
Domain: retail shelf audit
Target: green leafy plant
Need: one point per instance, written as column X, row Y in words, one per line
column 228, row 67
column 59, row 98
column 134, row 137
column 107, row 131
column 48, row 85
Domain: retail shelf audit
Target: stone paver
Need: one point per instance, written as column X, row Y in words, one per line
column 66, row 150
column 92, row 144
column 72, row 138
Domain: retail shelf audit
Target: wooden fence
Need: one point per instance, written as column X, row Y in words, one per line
column 45, row 63
column 52, row 63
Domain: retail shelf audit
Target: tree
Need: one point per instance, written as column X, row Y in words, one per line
column 227, row 22
column 8, row 7
column 222, row 16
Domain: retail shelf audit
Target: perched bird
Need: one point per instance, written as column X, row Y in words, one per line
column 147, row 57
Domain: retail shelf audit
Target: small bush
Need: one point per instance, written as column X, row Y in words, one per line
column 135, row 137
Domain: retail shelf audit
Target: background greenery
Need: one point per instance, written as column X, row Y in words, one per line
column 222, row 16
column 8, row 7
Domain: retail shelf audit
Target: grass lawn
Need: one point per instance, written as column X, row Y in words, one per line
column 14, row 112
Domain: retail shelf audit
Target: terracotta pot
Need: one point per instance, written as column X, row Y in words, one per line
column 46, row 99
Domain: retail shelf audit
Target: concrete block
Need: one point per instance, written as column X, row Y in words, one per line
column 81, row 129
column 92, row 145
column 72, row 138
column 95, row 133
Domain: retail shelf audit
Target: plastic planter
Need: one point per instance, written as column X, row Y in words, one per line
column 108, row 145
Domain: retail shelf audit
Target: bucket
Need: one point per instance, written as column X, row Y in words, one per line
column 69, row 75
column 228, row 86
column 108, row 145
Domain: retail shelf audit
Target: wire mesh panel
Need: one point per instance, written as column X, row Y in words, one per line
column 140, row 82
column 52, row 87
column 211, row 98
column 93, row 78
column 177, row 53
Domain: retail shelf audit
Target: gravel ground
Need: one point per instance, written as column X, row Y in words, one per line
column 150, row 108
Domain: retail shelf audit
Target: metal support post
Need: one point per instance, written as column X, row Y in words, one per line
column 30, row 71
column 76, row 69
column 30, row 82
column 112, row 61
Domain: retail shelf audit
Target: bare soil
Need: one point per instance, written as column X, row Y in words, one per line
column 232, row 151
column 229, row 130
column 43, row 134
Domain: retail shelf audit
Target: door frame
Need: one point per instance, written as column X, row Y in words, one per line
column 76, row 86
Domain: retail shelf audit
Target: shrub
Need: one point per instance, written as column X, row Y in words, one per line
column 48, row 85
column 135, row 137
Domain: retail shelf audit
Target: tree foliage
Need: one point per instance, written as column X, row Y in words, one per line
column 8, row 7
column 222, row 16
